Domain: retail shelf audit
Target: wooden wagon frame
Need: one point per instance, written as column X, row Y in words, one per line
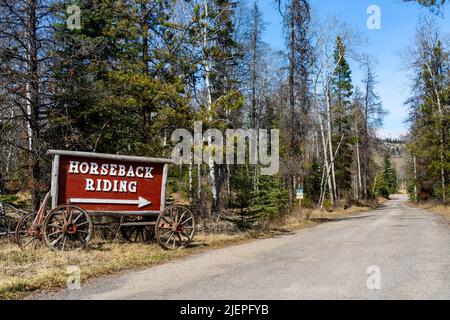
column 68, row 224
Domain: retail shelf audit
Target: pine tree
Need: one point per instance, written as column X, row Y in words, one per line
column 313, row 181
column 390, row 174
column 241, row 202
column 387, row 183
column 342, row 91
column 271, row 199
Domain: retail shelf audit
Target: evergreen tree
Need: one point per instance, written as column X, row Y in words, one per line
column 313, row 181
column 241, row 202
column 342, row 91
column 390, row 174
column 387, row 183
column 270, row 199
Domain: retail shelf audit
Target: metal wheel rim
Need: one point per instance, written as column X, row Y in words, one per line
column 167, row 229
column 66, row 228
column 26, row 230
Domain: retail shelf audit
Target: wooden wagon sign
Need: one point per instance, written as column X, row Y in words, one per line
column 109, row 183
column 85, row 185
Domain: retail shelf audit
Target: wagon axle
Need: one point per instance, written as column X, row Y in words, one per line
column 70, row 228
column 177, row 227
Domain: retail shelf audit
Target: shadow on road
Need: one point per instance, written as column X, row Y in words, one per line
column 337, row 219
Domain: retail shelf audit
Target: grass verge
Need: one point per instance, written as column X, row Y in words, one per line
column 441, row 209
column 25, row 272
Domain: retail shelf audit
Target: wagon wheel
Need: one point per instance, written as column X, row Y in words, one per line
column 67, row 227
column 137, row 234
column 28, row 234
column 175, row 227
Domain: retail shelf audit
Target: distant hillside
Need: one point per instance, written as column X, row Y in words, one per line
column 396, row 148
column 393, row 141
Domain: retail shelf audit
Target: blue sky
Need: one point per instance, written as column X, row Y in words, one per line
column 398, row 25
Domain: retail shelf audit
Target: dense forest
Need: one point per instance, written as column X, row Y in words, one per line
column 119, row 76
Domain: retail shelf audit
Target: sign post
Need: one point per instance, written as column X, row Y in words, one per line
column 299, row 195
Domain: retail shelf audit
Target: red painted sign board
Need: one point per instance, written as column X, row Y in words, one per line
column 104, row 183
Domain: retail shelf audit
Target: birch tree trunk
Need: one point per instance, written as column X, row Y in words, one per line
column 190, row 183
column 329, row 119
column 358, row 164
column 325, row 159
column 211, row 165
column 415, row 179
column 33, row 100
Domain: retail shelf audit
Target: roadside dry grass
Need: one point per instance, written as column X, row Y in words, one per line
column 441, row 209
column 306, row 218
column 22, row 273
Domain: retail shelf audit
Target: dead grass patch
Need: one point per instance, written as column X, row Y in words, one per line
column 441, row 209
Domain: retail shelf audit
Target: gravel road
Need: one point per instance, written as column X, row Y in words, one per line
column 393, row 252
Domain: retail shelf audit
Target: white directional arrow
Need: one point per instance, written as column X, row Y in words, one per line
column 141, row 202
